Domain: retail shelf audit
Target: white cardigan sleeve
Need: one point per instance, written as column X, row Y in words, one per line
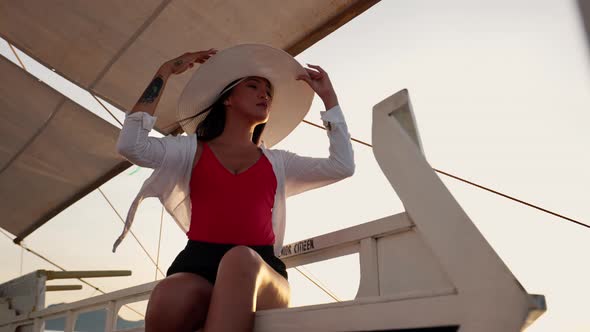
column 305, row 173
column 134, row 143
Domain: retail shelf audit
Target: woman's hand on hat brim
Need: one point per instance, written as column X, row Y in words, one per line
column 180, row 64
column 320, row 83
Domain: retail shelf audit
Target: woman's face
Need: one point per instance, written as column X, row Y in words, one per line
column 252, row 98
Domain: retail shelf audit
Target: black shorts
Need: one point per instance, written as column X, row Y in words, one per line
column 203, row 258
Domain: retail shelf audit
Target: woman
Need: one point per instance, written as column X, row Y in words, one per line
column 223, row 184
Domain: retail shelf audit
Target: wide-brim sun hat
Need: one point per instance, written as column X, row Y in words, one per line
column 291, row 99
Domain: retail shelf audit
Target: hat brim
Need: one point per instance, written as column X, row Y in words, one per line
column 291, row 101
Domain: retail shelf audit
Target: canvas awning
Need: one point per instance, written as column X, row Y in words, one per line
column 112, row 49
column 52, row 151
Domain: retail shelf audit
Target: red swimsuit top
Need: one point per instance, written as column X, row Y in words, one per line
column 229, row 208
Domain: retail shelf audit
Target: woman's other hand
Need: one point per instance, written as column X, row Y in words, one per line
column 180, row 64
column 319, row 81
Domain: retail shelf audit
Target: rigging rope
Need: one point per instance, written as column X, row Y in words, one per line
column 105, row 108
column 159, row 242
column 316, row 281
column 479, row 186
column 130, row 231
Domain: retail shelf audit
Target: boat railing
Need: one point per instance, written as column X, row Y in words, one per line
column 357, row 239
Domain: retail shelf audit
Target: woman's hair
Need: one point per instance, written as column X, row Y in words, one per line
column 214, row 123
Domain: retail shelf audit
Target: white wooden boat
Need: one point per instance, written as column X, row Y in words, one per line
column 426, row 269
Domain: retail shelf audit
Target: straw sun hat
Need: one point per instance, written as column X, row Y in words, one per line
column 291, row 100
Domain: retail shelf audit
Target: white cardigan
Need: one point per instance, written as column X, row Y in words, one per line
column 172, row 160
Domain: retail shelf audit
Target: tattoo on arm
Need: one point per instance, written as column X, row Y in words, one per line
column 152, row 92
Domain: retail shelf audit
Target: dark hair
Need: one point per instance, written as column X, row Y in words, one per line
column 214, row 123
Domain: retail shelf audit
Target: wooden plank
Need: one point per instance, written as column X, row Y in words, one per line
column 321, row 255
column 367, row 314
column 369, row 268
column 377, row 228
column 56, row 288
column 136, row 291
column 111, row 319
column 86, row 274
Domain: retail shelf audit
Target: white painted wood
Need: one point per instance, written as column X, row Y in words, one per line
column 342, row 242
column 123, row 294
column 375, row 313
column 38, row 325
column 70, row 321
column 111, row 320
column 407, row 264
column 6, row 312
column 484, row 283
column 322, row 255
column 369, row 268
column 537, row 307
column 127, row 295
column 25, row 293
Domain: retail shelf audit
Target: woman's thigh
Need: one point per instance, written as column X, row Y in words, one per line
column 178, row 303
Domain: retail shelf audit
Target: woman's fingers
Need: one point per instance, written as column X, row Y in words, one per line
column 314, row 74
column 195, row 56
column 188, row 60
column 201, row 56
column 318, row 68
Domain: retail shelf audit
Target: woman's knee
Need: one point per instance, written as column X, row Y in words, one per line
column 179, row 300
column 179, row 289
column 240, row 261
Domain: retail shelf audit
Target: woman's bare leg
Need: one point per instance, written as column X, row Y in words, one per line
column 244, row 284
column 178, row 303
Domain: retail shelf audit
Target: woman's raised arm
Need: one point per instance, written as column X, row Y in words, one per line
column 134, row 142
column 151, row 96
column 305, row 173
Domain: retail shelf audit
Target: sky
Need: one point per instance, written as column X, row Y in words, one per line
column 500, row 91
